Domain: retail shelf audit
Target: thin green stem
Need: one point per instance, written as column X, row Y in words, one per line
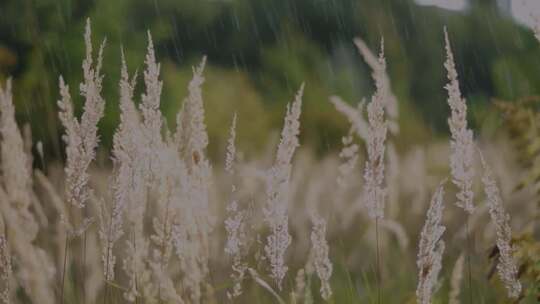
column 107, row 289
column 135, row 263
column 378, row 262
column 64, row 269
column 469, row 252
column 83, row 266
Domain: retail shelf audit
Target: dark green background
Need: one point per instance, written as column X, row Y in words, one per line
column 259, row 52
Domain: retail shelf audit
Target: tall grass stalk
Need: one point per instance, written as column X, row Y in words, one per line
column 375, row 193
column 462, row 148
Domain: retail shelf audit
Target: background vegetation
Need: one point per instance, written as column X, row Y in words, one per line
column 260, row 51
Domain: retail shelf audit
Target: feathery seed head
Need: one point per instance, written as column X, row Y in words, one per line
column 319, row 249
column 430, row 248
column 277, row 192
column 461, row 144
column 506, row 267
column 375, row 194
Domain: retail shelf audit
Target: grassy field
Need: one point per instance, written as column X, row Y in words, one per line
column 453, row 220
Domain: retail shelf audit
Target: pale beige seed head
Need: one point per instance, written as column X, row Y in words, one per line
column 461, row 144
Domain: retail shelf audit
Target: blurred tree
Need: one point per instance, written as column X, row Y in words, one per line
column 274, row 46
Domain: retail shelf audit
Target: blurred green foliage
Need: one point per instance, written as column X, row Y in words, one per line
column 260, row 51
